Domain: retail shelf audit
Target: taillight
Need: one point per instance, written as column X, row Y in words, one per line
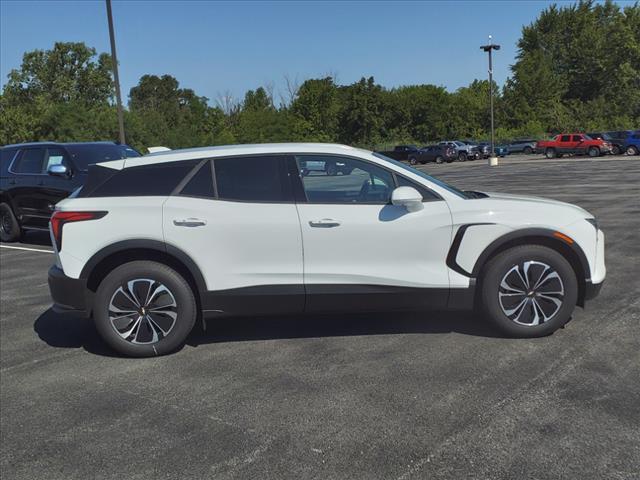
column 58, row 219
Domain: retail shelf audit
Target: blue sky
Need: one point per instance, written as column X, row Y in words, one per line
column 213, row 47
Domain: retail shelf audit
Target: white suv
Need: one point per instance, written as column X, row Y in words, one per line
column 151, row 244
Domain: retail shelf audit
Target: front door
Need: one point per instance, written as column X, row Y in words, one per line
column 237, row 220
column 361, row 252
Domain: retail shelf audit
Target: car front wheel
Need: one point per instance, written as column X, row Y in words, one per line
column 413, row 160
column 462, row 157
column 528, row 150
column 594, row 152
column 144, row 308
column 9, row 227
column 550, row 153
column 632, row 150
column 439, row 159
column 529, row 291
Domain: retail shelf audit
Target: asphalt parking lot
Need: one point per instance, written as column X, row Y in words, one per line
column 422, row 395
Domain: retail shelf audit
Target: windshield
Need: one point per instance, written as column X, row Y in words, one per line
column 85, row 155
column 440, row 183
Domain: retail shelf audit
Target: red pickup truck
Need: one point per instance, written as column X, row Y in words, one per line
column 573, row 143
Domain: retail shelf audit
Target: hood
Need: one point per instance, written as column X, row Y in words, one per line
column 538, row 200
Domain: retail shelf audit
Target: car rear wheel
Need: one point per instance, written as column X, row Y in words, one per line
column 439, row 159
column 10, row 230
column 529, row 291
column 413, row 160
column 615, row 150
column 632, row 150
column 528, row 150
column 144, row 308
column 550, row 153
column 594, row 152
column 462, row 157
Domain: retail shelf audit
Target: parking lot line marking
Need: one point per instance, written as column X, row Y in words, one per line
column 26, row 248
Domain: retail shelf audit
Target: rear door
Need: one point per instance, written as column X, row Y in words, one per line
column 236, row 218
column 27, row 169
column 565, row 145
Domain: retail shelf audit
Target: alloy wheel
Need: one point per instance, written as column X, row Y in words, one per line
column 5, row 222
column 531, row 293
column 143, row 311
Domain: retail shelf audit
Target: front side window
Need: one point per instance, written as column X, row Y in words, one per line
column 252, row 179
column 30, row 161
column 344, row 180
column 577, row 138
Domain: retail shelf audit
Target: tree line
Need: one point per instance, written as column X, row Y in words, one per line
column 577, row 69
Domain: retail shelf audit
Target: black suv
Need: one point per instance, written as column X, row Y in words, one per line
column 433, row 153
column 36, row 176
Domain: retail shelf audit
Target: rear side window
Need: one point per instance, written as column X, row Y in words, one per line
column 145, row 180
column 252, row 179
column 201, row 184
column 29, row 161
column 565, row 138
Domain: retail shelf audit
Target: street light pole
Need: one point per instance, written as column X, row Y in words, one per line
column 116, row 79
column 489, row 49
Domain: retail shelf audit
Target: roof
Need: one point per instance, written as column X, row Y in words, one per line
column 39, row 144
column 239, row 150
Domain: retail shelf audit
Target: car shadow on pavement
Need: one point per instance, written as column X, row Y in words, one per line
column 64, row 330
column 341, row 325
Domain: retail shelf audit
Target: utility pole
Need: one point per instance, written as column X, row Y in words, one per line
column 116, row 78
column 489, row 49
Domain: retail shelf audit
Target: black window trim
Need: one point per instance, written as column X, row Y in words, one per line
column 393, row 174
column 177, row 192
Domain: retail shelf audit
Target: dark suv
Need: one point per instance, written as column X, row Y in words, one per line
column 36, row 176
column 433, row 153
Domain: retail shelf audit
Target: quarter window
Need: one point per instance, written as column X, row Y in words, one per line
column 330, row 179
column 427, row 195
column 29, row 162
column 146, row 180
column 252, row 179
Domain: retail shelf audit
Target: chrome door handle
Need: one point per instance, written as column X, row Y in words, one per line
column 189, row 222
column 324, row 223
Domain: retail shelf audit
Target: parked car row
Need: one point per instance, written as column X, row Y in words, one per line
column 593, row 144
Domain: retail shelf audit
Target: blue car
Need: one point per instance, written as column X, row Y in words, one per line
column 632, row 143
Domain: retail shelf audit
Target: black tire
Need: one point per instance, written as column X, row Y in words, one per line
column 616, row 150
column 594, row 152
column 632, row 150
column 528, row 150
column 439, row 159
column 10, row 230
column 413, row 160
column 140, row 272
column 462, row 157
column 332, row 169
column 550, row 153
column 496, row 298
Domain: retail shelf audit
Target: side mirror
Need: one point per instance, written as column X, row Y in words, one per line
column 407, row 197
column 58, row 170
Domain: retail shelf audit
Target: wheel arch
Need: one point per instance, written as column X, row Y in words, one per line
column 543, row 237
column 111, row 257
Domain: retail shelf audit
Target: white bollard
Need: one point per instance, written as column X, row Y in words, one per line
column 493, row 161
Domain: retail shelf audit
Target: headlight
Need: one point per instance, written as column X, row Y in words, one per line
column 593, row 222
